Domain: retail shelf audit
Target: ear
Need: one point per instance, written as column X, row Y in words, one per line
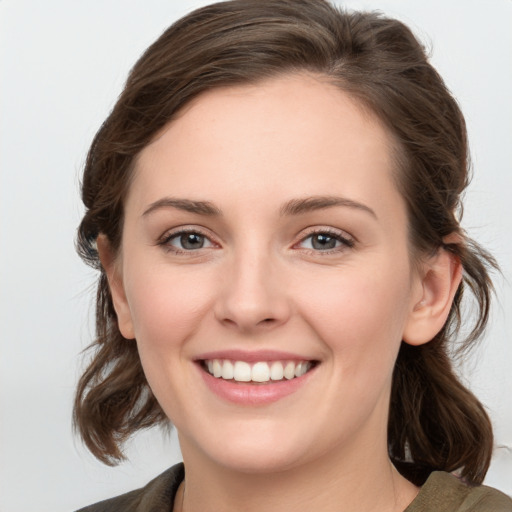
column 439, row 280
column 112, row 268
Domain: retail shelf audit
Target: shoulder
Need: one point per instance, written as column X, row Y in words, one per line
column 443, row 492
column 156, row 496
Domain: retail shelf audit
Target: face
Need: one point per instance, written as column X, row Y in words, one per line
column 265, row 239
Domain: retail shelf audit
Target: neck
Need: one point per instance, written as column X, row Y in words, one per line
column 337, row 482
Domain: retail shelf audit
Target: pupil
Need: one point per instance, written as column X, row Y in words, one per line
column 323, row 242
column 192, row 241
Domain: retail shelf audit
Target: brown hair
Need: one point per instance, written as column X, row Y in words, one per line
column 435, row 423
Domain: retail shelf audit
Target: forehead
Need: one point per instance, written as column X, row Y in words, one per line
column 296, row 135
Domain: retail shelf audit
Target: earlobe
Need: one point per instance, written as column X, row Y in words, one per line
column 439, row 282
column 113, row 272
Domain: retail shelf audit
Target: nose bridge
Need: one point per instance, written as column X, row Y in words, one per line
column 252, row 293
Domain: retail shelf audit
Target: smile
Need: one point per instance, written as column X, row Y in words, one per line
column 259, row 371
column 255, row 378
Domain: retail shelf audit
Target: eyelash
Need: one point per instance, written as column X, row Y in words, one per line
column 346, row 243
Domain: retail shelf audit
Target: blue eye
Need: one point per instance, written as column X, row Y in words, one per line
column 325, row 241
column 187, row 241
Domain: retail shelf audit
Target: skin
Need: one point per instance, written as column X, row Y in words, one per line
column 258, row 283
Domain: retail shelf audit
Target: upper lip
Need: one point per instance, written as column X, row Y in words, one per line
column 252, row 356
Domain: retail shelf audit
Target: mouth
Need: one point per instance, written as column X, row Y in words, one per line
column 255, row 378
column 257, row 372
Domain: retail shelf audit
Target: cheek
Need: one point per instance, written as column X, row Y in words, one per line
column 361, row 317
column 167, row 308
column 166, row 305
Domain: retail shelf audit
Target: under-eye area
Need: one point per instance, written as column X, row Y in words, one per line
column 261, row 372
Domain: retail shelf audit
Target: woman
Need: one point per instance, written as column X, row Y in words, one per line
column 272, row 205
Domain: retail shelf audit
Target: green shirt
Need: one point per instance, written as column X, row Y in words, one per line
column 442, row 492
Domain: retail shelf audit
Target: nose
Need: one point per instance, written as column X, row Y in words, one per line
column 253, row 295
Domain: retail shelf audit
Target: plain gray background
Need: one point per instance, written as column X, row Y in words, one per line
column 62, row 65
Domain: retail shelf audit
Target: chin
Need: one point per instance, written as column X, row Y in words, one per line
column 258, row 460
column 252, row 450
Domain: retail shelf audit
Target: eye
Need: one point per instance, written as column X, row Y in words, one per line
column 325, row 240
column 186, row 241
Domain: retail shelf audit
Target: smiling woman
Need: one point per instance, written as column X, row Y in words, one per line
column 272, row 205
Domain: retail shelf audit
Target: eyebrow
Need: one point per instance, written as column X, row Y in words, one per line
column 308, row 204
column 292, row 207
column 199, row 207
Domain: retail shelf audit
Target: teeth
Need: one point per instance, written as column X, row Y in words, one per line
column 242, row 371
column 217, row 368
column 276, row 371
column 261, row 371
column 289, row 370
column 228, row 371
column 301, row 369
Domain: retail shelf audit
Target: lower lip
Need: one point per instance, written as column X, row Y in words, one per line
column 247, row 393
